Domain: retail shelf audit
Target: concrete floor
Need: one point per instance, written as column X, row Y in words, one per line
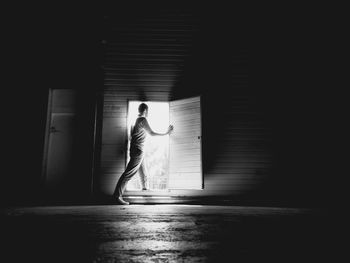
column 164, row 233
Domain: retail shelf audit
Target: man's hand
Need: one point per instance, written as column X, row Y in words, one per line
column 170, row 129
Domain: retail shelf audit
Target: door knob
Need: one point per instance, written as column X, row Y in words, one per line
column 53, row 130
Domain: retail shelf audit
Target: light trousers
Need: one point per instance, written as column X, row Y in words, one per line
column 136, row 164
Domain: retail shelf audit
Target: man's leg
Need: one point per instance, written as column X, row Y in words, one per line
column 144, row 176
column 131, row 169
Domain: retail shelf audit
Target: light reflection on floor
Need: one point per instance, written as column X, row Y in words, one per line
column 163, row 233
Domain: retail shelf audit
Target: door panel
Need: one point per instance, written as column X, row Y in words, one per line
column 58, row 164
column 185, row 145
column 59, row 160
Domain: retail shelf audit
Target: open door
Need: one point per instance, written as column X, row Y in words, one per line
column 185, row 148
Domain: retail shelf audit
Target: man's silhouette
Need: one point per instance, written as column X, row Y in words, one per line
column 138, row 137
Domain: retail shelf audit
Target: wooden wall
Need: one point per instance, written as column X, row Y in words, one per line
column 174, row 53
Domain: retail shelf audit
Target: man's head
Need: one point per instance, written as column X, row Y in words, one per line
column 143, row 109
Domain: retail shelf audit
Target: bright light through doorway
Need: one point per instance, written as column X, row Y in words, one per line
column 156, row 147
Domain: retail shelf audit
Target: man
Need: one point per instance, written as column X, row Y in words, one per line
column 138, row 137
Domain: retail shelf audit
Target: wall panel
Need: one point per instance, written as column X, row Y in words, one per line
column 171, row 54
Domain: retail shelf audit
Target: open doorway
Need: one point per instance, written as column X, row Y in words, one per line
column 156, row 147
column 173, row 162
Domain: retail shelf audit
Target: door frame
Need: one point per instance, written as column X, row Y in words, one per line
column 126, row 145
column 166, row 192
column 46, row 139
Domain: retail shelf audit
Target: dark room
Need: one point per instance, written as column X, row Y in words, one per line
column 132, row 134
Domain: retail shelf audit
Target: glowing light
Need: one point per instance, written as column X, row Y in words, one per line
column 156, row 147
column 141, row 197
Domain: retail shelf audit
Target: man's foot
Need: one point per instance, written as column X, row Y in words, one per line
column 121, row 201
column 144, row 189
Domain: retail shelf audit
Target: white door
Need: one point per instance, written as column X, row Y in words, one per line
column 185, row 148
column 59, row 140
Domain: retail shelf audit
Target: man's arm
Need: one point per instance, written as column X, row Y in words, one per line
column 153, row 133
